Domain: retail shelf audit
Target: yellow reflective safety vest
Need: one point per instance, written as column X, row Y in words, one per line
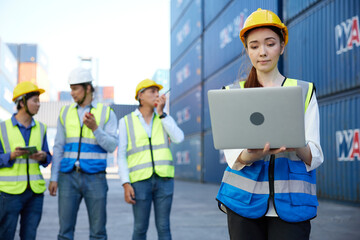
column 80, row 140
column 14, row 180
column 281, row 177
column 145, row 155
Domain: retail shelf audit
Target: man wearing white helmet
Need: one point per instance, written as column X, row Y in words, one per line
column 86, row 132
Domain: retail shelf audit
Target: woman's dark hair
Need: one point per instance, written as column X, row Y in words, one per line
column 252, row 80
column 27, row 97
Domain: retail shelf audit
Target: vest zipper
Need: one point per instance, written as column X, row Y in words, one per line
column 27, row 171
column 78, row 156
column 152, row 155
column 271, row 178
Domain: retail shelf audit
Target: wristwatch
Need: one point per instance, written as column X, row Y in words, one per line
column 163, row 115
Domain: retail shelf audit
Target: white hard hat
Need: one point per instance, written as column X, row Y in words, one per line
column 79, row 76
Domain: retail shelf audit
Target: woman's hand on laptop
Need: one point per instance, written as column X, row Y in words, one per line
column 249, row 156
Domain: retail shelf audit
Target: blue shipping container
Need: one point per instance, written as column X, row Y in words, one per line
column 8, row 64
column 338, row 177
column 329, row 55
column 187, row 158
column 187, row 111
column 187, row 30
column 214, row 160
column 122, row 110
column 221, row 40
column 14, row 48
column 212, row 9
column 187, row 72
column 177, row 8
column 233, row 72
column 6, row 94
column 33, row 53
column 294, row 7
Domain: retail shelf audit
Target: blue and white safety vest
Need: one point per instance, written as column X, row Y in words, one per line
column 81, row 143
column 281, row 177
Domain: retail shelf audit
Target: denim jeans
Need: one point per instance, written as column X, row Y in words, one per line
column 160, row 191
column 72, row 188
column 28, row 205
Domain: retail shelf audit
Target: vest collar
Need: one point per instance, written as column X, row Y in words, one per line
column 16, row 122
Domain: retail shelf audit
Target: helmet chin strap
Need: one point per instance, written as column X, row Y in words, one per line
column 26, row 107
column 83, row 99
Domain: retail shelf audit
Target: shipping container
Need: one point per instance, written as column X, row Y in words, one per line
column 177, row 9
column 338, row 177
column 122, row 110
column 187, row 30
column 187, row 72
column 8, row 64
column 36, row 74
column 212, row 9
column 221, row 39
column 187, row 158
column 187, row 111
column 108, row 93
column 329, row 55
column 14, row 48
column 233, row 72
column 64, row 96
column 6, row 95
column 32, row 53
column 214, row 160
column 49, row 112
column 294, row 7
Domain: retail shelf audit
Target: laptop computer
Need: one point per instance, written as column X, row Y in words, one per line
column 251, row 117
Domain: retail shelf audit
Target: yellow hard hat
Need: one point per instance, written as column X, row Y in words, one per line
column 24, row 88
column 146, row 84
column 261, row 18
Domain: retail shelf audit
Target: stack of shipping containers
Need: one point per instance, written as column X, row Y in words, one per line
column 32, row 66
column 329, row 36
column 8, row 80
column 324, row 48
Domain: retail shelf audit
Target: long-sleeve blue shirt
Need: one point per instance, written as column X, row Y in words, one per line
column 25, row 132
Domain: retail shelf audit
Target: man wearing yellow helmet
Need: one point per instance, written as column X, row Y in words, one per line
column 21, row 182
column 271, row 193
column 145, row 162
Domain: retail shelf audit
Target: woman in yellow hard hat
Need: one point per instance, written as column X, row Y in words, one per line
column 24, row 148
column 271, row 193
column 145, row 161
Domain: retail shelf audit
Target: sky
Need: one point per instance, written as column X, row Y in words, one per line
column 127, row 39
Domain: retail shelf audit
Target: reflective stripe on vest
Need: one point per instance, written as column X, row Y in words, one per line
column 14, row 180
column 247, row 191
column 140, row 153
column 92, row 156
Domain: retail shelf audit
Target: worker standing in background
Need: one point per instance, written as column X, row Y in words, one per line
column 22, row 185
column 86, row 132
column 145, row 162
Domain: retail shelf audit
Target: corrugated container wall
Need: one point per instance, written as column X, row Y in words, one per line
column 329, row 56
column 212, row 9
column 177, row 8
column 187, row 111
column 338, row 177
column 187, row 158
column 186, row 73
column 187, row 30
column 294, row 7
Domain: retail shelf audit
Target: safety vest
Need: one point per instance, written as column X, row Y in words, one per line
column 145, row 155
column 281, row 177
column 14, row 180
column 80, row 141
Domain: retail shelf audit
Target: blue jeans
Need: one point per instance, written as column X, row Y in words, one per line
column 160, row 191
column 72, row 188
column 28, row 205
